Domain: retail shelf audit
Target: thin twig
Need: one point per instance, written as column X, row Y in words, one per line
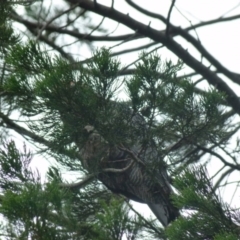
column 236, row 167
column 227, row 172
column 168, row 17
column 133, row 49
column 54, row 18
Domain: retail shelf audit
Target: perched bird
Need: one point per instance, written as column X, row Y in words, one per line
column 132, row 168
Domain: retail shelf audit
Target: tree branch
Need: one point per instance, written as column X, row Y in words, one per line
column 134, row 49
column 228, row 171
column 236, row 167
column 73, row 33
column 22, row 131
column 168, row 17
column 26, row 133
column 214, row 21
column 54, row 18
column 172, row 45
column 184, row 33
column 53, row 45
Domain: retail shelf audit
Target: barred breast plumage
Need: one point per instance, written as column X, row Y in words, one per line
column 135, row 171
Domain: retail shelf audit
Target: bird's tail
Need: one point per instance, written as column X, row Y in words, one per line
column 164, row 214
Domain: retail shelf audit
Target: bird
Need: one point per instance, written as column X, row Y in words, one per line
column 131, row 167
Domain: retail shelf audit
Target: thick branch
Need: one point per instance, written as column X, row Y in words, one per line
column 22, row 131
column 173, row 30
column 220, row 68
column 172, row 45
column 26, row 133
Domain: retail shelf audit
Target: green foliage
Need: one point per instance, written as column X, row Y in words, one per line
column 59, row 99
column 32, row 209
column 156, row 85
column 68, row 98
column 28, row 59
column 7, row 36
column 116, row 222
column 14, row 165
column 29, row 207
column 71, row 98
column 226, row 236
column 179, row 117
column 209, row 218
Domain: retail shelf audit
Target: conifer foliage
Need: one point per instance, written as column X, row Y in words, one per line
column 49, row 98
